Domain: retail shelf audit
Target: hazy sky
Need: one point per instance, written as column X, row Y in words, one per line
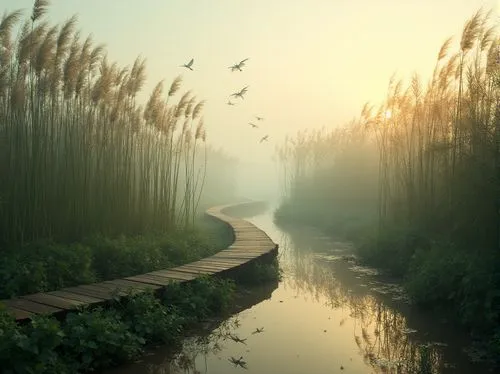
column 312, row 63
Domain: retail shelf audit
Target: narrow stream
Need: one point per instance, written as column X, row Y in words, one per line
column 327, row 315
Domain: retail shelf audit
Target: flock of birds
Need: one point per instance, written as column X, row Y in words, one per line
column 239, row 94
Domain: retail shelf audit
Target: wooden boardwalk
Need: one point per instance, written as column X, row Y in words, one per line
column 250, row 244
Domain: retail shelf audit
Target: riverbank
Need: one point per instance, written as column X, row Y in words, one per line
column 438, row 277
column 47, row 266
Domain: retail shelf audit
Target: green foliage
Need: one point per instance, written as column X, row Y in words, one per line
column 201, row 297
column 258, row 273
column 46, row 266
column 99, row 339
column 151, row 320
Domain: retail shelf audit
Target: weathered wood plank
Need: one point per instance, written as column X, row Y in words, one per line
column 78, row 297
column 126, row 284
column 92, row 291
column 174, row 275
column 210, row 264
column 196, row 271
column 227, row 261
column 215, row 269
column 151, row 279
column 54, row 301
column 18, row 314
column 31, row 306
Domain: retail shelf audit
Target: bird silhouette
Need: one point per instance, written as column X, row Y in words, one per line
column 239, row 65
column 253, row 125
column 237, row 339
column 230, row 103
column 238, row 362
column 264, row 138
column 188, row 65
column 259, row 118
column 258, row 330
column 240, row 93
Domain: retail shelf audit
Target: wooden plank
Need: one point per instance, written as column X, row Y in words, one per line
column 216, row 269
column 210, row 264
column 126, row 284
column 92, row 291
column 196, row 271
column 226, row 261
column 31, row 306
column 54, row 301
column 151, row 279
column 19, row 314
column 172, row 274
column 78, row 297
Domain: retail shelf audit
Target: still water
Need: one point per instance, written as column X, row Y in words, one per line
column 327, row 315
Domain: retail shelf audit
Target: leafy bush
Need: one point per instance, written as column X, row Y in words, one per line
column 148, row 318
column 99, row 339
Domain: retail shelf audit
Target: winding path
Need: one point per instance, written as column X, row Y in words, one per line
column 250, row 244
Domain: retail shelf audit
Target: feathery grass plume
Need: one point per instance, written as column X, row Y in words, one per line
column 39, row 9
column 189, row 106
column 471, row 31
column 197, row 109
column 443, row 51
column 8, row 21
column 174, row 87
column 137, row 77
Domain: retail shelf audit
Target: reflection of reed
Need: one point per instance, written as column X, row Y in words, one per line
column 380, row 332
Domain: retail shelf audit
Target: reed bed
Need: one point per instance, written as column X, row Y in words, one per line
column 415, row 183
column 79, row 154
column 428, row 157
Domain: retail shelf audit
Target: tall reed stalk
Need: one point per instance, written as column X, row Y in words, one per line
column 78, row 153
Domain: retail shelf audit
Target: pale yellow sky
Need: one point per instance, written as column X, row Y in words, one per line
column 313, row 63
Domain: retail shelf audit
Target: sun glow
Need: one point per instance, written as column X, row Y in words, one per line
column 388, row 113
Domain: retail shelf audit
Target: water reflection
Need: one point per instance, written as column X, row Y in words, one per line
column 327, row 315
column 323, row 269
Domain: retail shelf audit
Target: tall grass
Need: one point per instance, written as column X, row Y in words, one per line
column 416, row 182
column 78, row 153
column 428, row 158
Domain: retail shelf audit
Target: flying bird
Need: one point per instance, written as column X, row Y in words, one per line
column 253, row 125
column 237, row 339
column 264, row 138
column 239, row 65
column 238, row 362
column 259, row 118
column 230, row 103
column 241, row 92
column 188, row 65
column 258, row 330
